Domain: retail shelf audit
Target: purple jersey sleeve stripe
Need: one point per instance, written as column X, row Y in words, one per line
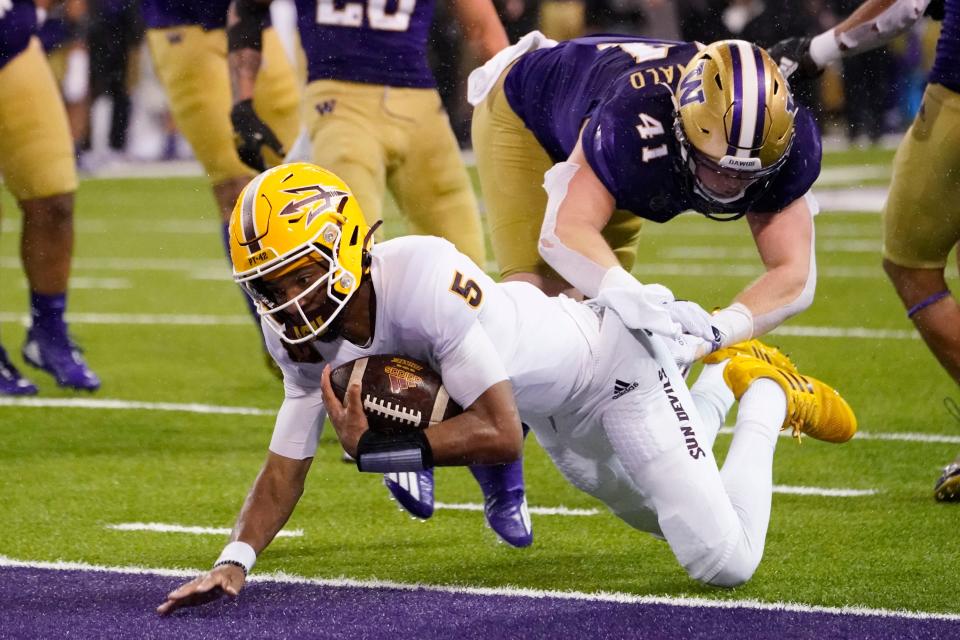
column 761, row 103
column 733, row 139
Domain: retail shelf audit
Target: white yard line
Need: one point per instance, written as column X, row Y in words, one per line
column 162, row 319
column 160, row 527
column 516, row 592
column 935, row 438
column 824, row 492
column 541, row 511
column 127, row 405
column 111, row 404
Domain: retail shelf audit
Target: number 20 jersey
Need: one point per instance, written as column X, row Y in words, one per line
column 624, row 87
column 372, row 41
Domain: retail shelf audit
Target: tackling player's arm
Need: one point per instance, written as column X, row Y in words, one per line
column 245, row 20
column 484, row 31
column 487, row 432
column 872, row 24
column 579, row 206
column 267, row 508
column 785, row 242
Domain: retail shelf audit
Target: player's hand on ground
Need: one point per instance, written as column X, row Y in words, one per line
column 347, row 418
column 252, row 134
column 226, row 579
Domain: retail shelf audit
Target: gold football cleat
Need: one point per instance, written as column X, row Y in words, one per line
column 813, row 407
column 756, row 349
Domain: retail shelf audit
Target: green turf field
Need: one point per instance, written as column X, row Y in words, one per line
column 161, row 322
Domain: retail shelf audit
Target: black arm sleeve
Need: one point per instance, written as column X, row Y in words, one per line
column 247, row 32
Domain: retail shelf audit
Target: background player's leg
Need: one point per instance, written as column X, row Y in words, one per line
column 37, row 162
column 12, row 382
column 342, row 119
column 430, row 182
column 938, row 323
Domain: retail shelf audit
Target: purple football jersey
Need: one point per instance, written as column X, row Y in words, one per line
column 209, row 14
column 623, row 88
column 17, row 24
column 371, row 41
column 946, row 66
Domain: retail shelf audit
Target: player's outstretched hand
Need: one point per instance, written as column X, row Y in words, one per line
column 792, row 55
column 692, row 317
column 251, row 134
column 226, row 579
column 347, row 418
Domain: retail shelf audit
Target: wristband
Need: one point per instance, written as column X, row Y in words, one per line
column 923, row 304
column 735, row 324
column 824, row 48
column 239, row 554
column 383, row 453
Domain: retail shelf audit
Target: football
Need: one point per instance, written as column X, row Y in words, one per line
column 399, row 393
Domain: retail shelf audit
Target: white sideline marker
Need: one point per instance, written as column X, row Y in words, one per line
column 507, row 591
column 160, row 527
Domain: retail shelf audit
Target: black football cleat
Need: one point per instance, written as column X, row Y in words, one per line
column 947, row 488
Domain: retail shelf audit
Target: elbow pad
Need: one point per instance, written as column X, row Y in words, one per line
column 247, row 33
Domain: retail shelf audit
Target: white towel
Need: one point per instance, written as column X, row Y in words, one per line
column 483, row 78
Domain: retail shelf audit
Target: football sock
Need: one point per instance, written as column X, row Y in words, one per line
column 47, row 311
column 713, row 399
column 747, row 472
column 225, row 238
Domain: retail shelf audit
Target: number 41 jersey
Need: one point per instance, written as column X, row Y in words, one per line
column 622, row 89
column 372, row 41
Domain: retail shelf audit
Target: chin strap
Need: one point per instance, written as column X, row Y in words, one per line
column 368, row 244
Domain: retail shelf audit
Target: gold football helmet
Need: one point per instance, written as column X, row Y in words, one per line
column 295, row 216
column 734, row 123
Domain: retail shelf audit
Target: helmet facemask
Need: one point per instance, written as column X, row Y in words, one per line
column 317, row 304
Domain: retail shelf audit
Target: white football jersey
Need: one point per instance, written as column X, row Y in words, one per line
column 436, row 305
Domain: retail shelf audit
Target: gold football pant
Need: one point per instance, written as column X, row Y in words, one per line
column 36, row 150
column 921, row 220
column 192, row 65
column 511, row 164
column 376, row 137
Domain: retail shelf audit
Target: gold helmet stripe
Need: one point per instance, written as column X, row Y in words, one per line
column 248, row 218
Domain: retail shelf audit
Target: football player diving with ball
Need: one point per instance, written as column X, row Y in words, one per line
column 607, row 403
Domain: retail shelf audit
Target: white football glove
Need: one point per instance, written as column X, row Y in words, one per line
column 652, row 307
column 686, row 350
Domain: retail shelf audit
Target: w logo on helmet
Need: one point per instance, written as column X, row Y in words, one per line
column 330, row 200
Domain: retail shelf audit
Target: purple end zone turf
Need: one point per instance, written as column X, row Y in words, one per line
column 41, row 603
